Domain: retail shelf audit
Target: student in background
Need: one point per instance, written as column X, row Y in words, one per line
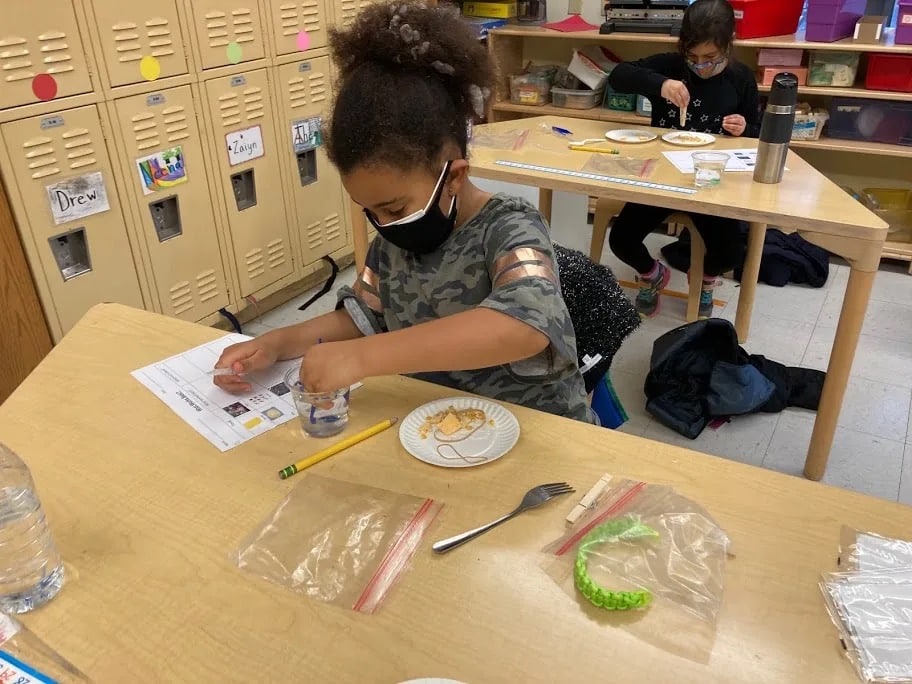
column 702, row 86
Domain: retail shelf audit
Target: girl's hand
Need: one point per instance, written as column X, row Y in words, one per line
column 243, row 358
column 331, row 366
column 734, row 124
column 676, row 93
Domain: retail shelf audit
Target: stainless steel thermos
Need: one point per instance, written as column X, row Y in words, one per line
column 776, row 129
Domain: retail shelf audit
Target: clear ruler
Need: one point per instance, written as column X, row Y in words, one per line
column 597, row 177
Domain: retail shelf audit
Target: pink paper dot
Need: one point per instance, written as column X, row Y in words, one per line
column 45, row 87
column 303, row 41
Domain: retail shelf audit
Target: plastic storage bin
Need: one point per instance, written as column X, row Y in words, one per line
column 871, row 120
column 889, row 72
column 904, row 23
column 765, row 75
column 530, row 89
column 835, row 69
column 809, row 123
column 832, row 20
column 789, row 57
column 762, row 18
column 644, row 106
column 894, row 206
column 576, row 99
column 621, row 102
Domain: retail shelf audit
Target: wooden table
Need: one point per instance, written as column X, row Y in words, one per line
column 806, row 202
column 147, row 513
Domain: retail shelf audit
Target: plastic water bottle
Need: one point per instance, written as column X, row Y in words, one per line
column 31, row 572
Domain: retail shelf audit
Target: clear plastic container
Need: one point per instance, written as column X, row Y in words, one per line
column 809, row 122
column 832, row 69
column 709, row 167
column 576, row 99
column 322, row 414
column 31, row 572
column 530, row 89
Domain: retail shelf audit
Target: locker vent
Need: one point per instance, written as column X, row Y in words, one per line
column 161, row 42
column 253, row 103
column 56, row 51
column 41, row 157
column 129, row 46
column 305, row 91
column 176, row 126
column 295, row 20
column 229, row 109
column 319, row 233
column 148, row 134
column 15, row 62
column 181, row 297
column 207, row 285
column 276, row 251
column 254, row 259
column 78, row 145
column 221, row 31
column 351, row 8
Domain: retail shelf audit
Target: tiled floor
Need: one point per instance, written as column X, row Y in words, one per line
column 872, row 452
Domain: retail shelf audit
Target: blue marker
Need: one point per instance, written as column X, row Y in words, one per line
column 561, row 131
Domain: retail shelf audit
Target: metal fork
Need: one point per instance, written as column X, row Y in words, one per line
column 534, row 498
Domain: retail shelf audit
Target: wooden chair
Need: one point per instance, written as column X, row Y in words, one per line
column 606, row 210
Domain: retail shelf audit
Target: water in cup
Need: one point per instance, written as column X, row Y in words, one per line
column 708, row 168
column 31, row 572
column 322, row 414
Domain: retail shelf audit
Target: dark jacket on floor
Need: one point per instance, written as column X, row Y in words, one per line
column 786, row 259
column 698, row 372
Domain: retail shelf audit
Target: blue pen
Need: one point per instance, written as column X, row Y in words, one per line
column 561, row 131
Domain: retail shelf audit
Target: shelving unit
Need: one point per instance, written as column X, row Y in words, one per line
column 853, row 163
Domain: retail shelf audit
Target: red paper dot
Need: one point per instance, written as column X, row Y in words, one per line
column 45, row 87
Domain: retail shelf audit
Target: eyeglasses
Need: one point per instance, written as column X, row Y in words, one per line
column 705, row 65
column 435, row 197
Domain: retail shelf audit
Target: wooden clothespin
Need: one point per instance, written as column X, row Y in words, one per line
column 589, row 501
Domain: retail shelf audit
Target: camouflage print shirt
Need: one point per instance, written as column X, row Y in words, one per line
column 501, row 259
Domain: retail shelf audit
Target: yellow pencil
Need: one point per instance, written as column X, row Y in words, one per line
column 288, row 471
column 587, row 148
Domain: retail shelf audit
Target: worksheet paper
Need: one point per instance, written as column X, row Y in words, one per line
column 226, row 420
column 740, row 160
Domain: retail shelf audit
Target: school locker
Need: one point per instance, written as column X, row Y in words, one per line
column 138, row 41
column 347, row 10
column 226, row 32
column 249, row 177
column 315, row 188
column 42, row 54
column 297, row 25
column 166, row 177
column 59, row 174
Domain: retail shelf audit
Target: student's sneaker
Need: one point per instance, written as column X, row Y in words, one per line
column 647, row 301
column 706, row 297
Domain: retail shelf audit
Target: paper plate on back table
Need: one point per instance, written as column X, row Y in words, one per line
column 631, row 135
column 459, row 433
column 689, row 138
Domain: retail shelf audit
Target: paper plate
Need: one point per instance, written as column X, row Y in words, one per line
column 495, row 437
column 631, row 135
column 689, row 138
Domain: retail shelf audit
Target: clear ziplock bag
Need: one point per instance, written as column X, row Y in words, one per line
column 873, row 613
column 867, row 551
column 513, row 139
column 338, row 542
column 612, row 165
column 654, row 558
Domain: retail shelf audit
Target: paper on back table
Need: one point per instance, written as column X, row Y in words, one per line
column 739, row 160
column 226, row 420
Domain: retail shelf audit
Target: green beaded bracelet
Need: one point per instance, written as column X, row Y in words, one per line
column 626, row 528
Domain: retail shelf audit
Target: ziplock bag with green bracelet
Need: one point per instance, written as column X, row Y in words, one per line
column 648, row 560
column 338, row 542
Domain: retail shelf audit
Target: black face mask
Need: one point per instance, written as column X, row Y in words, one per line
column 424, row 231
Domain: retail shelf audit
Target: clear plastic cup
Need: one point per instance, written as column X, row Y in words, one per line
column 708, row 168
column 322, row 414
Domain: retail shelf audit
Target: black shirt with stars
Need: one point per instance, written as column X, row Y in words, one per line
column 734, row 91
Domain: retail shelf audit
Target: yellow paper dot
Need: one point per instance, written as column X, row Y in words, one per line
column 150, row 68
column 234, row 52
